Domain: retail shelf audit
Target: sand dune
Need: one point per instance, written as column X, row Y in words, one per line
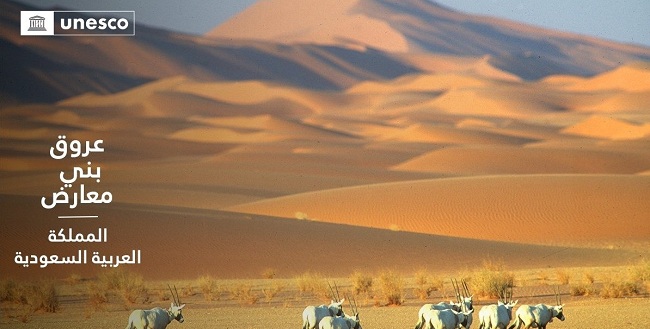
column 418, row 27
column 182, row 243
column 608, row 128
column 539, row 209
column 282, row 18
column 419, row 83
column 451, row 136
column 489, row 160
column 400, row 128
column 633, row 77
column 107, row 66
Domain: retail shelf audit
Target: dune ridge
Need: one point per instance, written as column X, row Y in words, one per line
column 608, row 128
column 418, row 27
column 528, row 209
column 211, row 242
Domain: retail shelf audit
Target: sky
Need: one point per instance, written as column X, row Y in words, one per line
column 624, row 20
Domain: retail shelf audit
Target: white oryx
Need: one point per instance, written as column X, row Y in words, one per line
column 438, row 307
column 157, row 318
column 445, row 319
column 462, row 304
column 312, row 315
column 499, row 315
column 342, row 322
column 540, row 315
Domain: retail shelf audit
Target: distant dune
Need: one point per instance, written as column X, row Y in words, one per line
column 609, row 128
column 420, row 26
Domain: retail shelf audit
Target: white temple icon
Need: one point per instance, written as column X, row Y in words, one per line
column 37, row 23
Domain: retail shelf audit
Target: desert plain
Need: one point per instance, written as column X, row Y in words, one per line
column 430, row 167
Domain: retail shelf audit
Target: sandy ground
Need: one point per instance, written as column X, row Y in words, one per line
column 579, row 314
column 284, row 311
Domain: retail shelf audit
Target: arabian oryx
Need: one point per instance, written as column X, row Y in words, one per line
column 312, row 315
column 445, row 319
column 157, row 318
column 540, row 315
column 499, row 315
column 342, row 322
column 463, row 304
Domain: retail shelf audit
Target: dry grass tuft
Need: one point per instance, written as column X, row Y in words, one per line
column 314, row 284
column 32, row 297
column 209, row 287
column 361, row 283
column 272, row 291
column 8, row 291
column 563, row 277
column 391, row 288
column 582, row 289
column 492, row 279
column 40, row 296
column 244, row 294
column 589, row 278
column 425, row 284
column 641, row 271
column 620, row 289
column 587, row 288
column 128, row 285
column 188, row 290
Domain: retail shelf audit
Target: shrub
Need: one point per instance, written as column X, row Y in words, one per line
column 164, row 295
column 563, row 277
column 582, row 290
column 130, row 286
column 209, row 287
column 244, row 294
column 543, row 278
column 641, row 271
column 187, row 290
column 391, row 287
column 8, row 291
column 97, row 296
column 589, row 278
column 492, row 280
column 620, row 289
column 425, row 284
column 41, row 296
column 361, row 283
column 271, row 292
column 314, row 284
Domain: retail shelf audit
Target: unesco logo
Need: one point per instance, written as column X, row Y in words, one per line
column 77, row 23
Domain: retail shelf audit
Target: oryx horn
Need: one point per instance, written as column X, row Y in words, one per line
column 467, row 293
column 334, row 296
column 178, row 298
column 172, row 292
column 338, row 297
column 454, row 283
column 355, row 308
